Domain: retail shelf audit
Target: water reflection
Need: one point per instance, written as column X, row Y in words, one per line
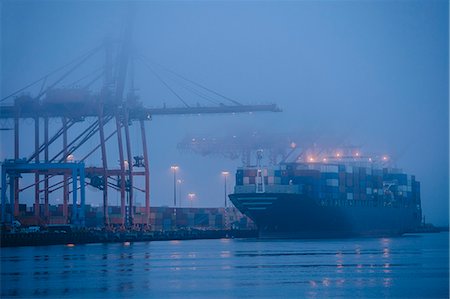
column 339, row 262
column 386, row 267
column 326, row 282
column 387, row 282
column 125, row 286
column 340, row 282
column 227, row 268
column 175, row 255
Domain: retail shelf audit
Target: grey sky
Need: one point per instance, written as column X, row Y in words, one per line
column 373, row 73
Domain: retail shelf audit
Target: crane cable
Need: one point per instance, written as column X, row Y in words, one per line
column 143, row 58
column 198, row 93
column 102, row 68
column 204, row 87
column 81, row 57
column 184, row 84
column 165, row 84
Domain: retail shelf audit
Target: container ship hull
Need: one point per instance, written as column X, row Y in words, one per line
column 279, row 215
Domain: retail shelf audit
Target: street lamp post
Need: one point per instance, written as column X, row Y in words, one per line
column 128, row 208
column 179, row 181
column 191, row 197
column 225, row 175
column 174, row 169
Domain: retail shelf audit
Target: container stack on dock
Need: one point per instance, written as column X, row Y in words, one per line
column 161, row 218
column 166, row 218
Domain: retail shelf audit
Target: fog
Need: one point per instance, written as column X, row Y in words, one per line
column 367, row 73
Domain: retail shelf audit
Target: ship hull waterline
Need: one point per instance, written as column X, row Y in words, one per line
column 280, row 215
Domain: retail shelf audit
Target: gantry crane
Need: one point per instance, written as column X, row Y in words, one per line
column 74, row 106
column 243, row 145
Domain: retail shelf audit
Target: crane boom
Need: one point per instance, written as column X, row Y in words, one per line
column 29, row 109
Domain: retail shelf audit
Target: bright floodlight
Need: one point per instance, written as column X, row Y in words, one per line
column 225, row 173
column 174, row 167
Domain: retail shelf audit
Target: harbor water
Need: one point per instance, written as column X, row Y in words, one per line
column 412, row 266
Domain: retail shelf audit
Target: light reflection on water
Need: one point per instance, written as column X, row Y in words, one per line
column 411, row 266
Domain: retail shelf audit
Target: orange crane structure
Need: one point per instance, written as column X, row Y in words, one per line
column 110, row 106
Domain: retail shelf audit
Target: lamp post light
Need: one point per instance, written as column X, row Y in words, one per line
column 225, row 175
column 174, row 169
column 179, row 181
column 191, row 197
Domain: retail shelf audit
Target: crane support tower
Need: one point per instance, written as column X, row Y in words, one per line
column 110, row 106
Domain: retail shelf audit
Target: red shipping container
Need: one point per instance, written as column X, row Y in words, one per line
column 250, row 172
column 57, row 220
column 115, row 220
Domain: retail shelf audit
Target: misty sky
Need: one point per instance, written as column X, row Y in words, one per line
column 369, row 73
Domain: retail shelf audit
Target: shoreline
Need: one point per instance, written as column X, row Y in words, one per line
column 90, row 237
column 100, row 236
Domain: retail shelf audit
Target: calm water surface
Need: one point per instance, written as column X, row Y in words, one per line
column 413, row 266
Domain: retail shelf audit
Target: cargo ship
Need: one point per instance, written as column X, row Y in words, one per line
column 340, row 198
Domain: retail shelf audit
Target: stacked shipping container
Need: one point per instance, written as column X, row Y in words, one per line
column 161, row 218
column 336, row 183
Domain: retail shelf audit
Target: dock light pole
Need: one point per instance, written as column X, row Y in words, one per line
column 128, row 208
column 174, row 169
column 225, row 175
column 191, row 197
column 179, row 181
